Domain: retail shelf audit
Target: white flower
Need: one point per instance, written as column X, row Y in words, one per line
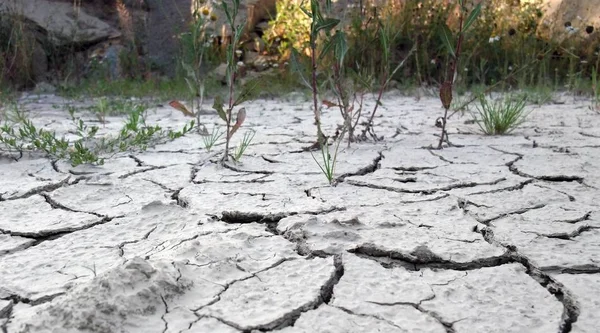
column 240, row 64
column 433, row 61
column 494, row 39
column 238, row 52
column 510, row 68
column 466, row 69
column 275, row 65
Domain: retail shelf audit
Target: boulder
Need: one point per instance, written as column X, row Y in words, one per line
column 251, row 11
column 578, row 14
column 62, row 22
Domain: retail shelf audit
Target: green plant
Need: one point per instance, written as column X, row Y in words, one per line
column 241, row 148
column 319, row 24
column 386, row 36
column 18, row 134
column 101, row 109
column 328, row 162
column 289, row 29
column 500, row 116
column 465, row 21
column 226, row 112
column 196, row 45
column 209, row 139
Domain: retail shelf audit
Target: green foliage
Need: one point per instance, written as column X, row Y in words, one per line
column 19, row 134
column 290, row 29
column 209, row 139
column 328, row 162
column 501, row 116
column 225, row 111
column 241, row 148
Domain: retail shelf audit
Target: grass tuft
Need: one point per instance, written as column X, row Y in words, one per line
column 501, row 116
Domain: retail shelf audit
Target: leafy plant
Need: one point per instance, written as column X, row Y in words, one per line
column 501, row 116
column 196, row 46
column 209, row 139
column 320, row 23
column 466, row 20
column 225, row 112
column 19, row 134
column 289, row 29
column 328, row 162
column 246, row 140
column 101, row 109
column 386, row 36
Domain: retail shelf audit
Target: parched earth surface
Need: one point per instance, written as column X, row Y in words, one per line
column 497, row 234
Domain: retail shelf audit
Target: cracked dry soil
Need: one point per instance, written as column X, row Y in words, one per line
column 501, row 234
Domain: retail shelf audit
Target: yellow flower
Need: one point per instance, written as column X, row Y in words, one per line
column 213, row 17
column 205, row 11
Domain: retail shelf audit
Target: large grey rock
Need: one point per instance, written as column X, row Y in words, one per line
column 63, row 22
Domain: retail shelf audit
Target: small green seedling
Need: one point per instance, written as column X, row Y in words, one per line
column 246, row 140
column 328, row 162
column 209, row 140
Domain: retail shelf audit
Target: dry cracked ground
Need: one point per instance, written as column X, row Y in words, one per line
column 497, row 234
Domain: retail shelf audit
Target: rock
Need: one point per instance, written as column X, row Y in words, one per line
column 261, row 63
column 62, row 23
column 39, row 68
column 220, row 73
column 262, row 26
column 251, row 11
column 580, row 14
column 44, row 88
column 255, row 44
column 250, row 57
column 164, row 22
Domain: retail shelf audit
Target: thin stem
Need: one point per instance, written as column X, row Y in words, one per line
column 377, row 102
column 313, row 57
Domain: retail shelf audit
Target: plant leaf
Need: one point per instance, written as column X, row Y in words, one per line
column 446, row 94
column 241, row 116
column 448, row 39
column 296, row 67
column 341, row 47
column 472, row 17
column 329, row 44
column 180, row 107
column 326, row 24
column 218, row 106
